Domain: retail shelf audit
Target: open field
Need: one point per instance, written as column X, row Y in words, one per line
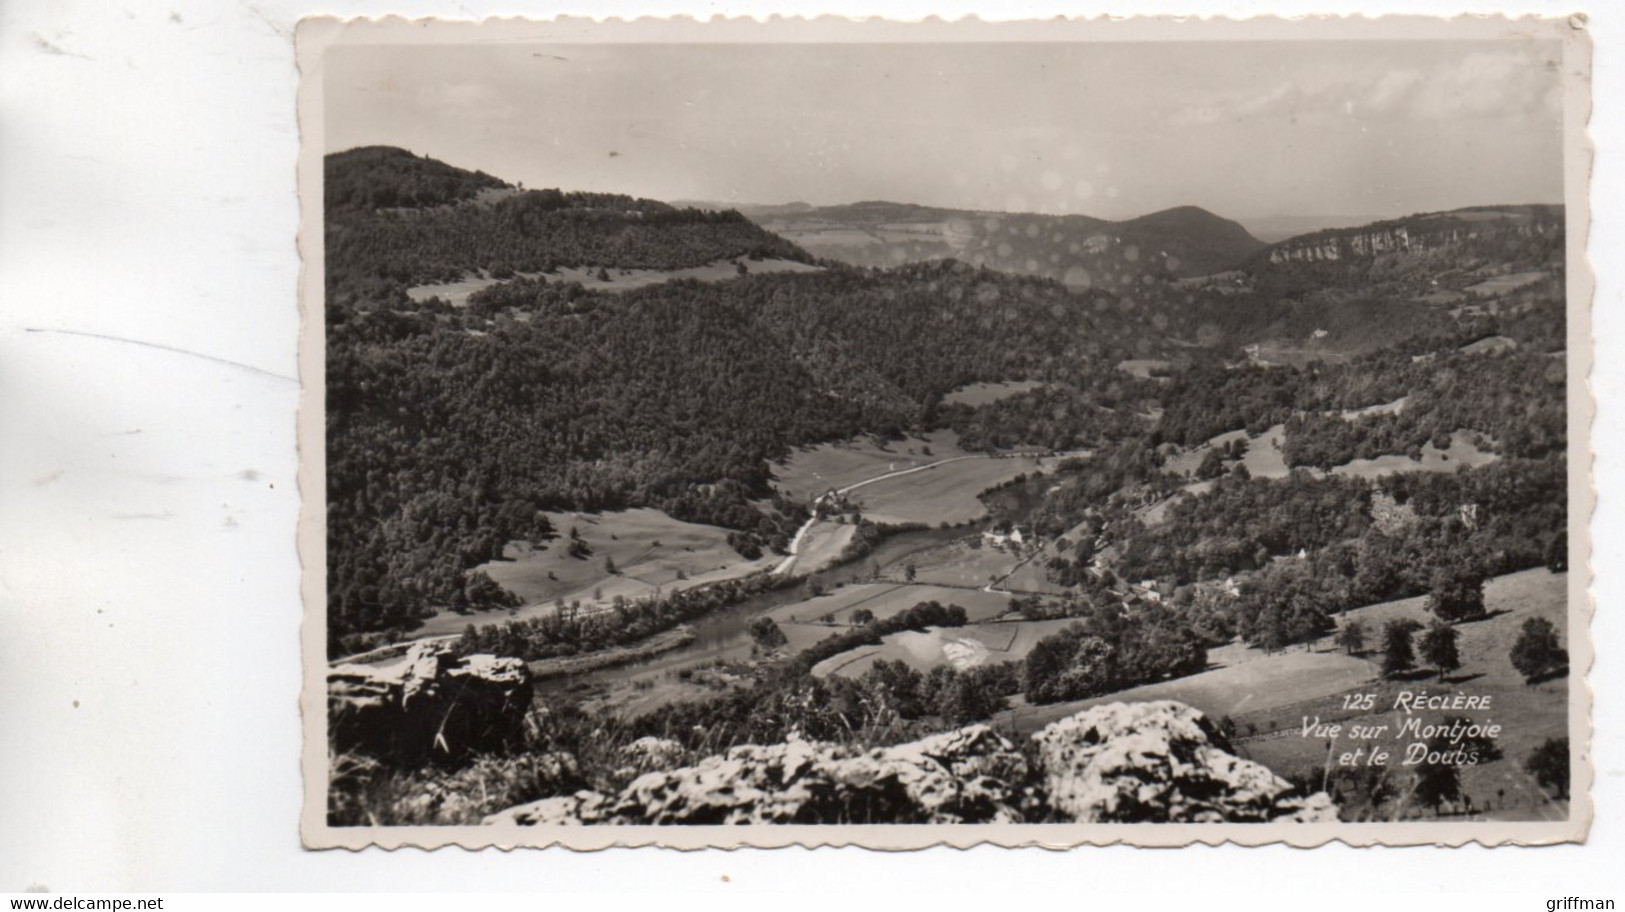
column 965, row 562
column 811, row 471
column 1461, row 452
column 983, row 393
column 945, row 493
column 1504, row 283
column 820, row 544
column 1143, row 368
column 886, row 599
column 1031, row 577
column 1263, row 457
column 648, row 549
column 959, row 647
column 457, row 293
column 1264, row 683
column 973, row 562
column 1382, row 408
column 1529, row 714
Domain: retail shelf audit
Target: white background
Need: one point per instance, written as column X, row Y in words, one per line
column 149, row 601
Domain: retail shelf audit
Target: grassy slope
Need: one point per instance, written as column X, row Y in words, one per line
column 457, row 293
column 628, row 538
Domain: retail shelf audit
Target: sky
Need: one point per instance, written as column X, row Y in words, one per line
column 1115, row 130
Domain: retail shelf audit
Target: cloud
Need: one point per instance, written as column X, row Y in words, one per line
column 1514, row 84
column 1391, row 89
column 1285, row 98
column 468, row 99
column 1485, row 85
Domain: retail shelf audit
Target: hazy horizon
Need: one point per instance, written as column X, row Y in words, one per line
column 1249, row 131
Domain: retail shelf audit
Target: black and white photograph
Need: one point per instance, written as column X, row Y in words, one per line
column 1074, row 432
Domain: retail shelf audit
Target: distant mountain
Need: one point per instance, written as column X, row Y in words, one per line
column 1275, row 228
column 1075, row 249
column 754, row 211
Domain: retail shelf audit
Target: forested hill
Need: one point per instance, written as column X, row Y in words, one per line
column 1076, row 249
column 395, row 220
column 382, row 177
column 450, row 429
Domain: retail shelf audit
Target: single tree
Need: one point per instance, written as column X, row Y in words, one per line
column 1439, row 648
column 609, row 565
column 1538, row 652
column 863, row 617
column 1272, row 634
column 1437, row 782
column 1211, row 466
column 1456, row 594
column 1549, row 764
column 766, row 633
column 1557, row 553
column 1397, row 655
column 909, row 571
column 1352, row 637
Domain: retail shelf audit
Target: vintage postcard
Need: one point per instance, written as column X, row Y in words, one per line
column 897, row 434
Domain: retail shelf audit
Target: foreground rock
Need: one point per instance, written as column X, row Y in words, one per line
column 1122, row 762
column 1162, row 762
column 967, row 776
column 432, row 705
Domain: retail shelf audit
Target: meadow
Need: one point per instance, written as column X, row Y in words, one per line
column 615, row 280
column 647, row 550
column 809, row 472
column 1268, row 697
column 979, row 394
column 1263, row 457
column 956, row 647
column 1504, row 283
column 947, row 493
column 820, row 545
column 1461, row 452
column 1529, row 714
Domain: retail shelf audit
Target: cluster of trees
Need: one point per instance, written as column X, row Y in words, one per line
column 1109, row 649
column 1439, row 647
column 919, row 617
column 1242, row 523
column 571, row 631
column 388, row 226
column 1515, row 399
column 1459, row 529
column 1103, row 404
column 945, row 694
column 534, row 231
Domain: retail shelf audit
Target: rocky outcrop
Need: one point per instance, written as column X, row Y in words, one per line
column 430, row 706
column 650, row 754
column 966, row 776
column 1417, row 234
column 1160, row 761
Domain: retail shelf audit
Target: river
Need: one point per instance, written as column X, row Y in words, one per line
column 722, row 635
